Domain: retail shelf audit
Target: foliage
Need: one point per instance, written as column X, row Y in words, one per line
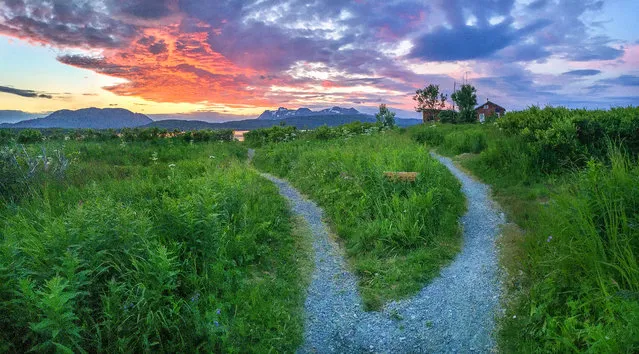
column 560, row 138
column 385, row 117
column 396, row 235
column 582, row 267
column 429, row 98
column 469, row 141
column 29, row 136
column 466, row 100
column 208, row 135
column 448, row 116
column 260, row 137
column 150, row 246
column 568, row 178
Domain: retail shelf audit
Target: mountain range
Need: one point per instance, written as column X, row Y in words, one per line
column 12, row 116
column 94, row 118
column 282, row 113
column 117, row 118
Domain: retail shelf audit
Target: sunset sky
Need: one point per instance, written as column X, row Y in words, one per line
column 241, row 57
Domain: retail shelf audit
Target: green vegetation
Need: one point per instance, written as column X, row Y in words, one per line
column 385, row 117
column 466, row 100
column 158, row 245
column 397, row 235
column 25, row 136
column 569, row 179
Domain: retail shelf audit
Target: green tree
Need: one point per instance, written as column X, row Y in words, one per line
column 385, row 117
column 429, row 99
column 466, row 100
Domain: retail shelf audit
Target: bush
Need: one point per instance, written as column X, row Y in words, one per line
column 6, row 136
column 563, row 138
column 29, row 136
column 468, row 141
column 467, row 116
column 430, row 135
column 582, row 263
column 448, row 116
column 274, row 134
column 167, row 247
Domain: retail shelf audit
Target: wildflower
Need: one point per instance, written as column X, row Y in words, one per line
column 217, row 324
column 211, row 157
column 195, row 297
column 172, row 165
column 218, row 311
column 514, row 316
column 549, row 238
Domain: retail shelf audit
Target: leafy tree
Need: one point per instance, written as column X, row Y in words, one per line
column 385, row 117
column 430, row 99
column 466, row 100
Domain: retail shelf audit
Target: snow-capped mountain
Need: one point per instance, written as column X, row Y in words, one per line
column 283, row 113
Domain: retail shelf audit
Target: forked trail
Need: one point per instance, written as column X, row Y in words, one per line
column 454, row 313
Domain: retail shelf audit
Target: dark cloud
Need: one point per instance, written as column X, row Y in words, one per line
column 158, row 47
column 470, row 42
column 146, row 9
column 70, row 23
column 582, row 72
column 623, row 80
column 25, row 93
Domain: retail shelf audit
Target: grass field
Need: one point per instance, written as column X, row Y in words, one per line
column 397, row 235
column 146, row 242
column 162, row 245
column 568, row 179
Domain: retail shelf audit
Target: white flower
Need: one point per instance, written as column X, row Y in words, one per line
column 211, row 157
column 172, row 165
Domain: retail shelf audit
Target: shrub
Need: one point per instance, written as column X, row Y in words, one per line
column 582, row 263
column 448, row 116
column 430, row 135
column 467, row 116
column 468, row 141
column 29, row 136
column 189, row 252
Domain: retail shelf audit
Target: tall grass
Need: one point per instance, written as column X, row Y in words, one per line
column 150, row 246
column 582, row 267
column 569, row 178
column 397, row 235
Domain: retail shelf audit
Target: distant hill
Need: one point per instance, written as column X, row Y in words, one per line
column 12, row 116
column 212, row 117
column 94, row 118
column 283, row 113
column 303, row 122
column 117, row 118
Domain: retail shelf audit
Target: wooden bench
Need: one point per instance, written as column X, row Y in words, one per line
column 401, row 176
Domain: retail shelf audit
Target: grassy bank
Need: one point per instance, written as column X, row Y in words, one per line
column 161, row 245
column 397, row 235
column 569, row 180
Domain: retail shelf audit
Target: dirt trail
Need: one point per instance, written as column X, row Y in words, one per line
column 453, row 313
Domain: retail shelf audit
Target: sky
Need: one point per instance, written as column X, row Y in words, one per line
column 242, row 57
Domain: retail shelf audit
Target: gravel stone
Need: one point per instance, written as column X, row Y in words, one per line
column 454, row 313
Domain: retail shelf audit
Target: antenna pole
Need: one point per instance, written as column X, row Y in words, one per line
column 454, row 90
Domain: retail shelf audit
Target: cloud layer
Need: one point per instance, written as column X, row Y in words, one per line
column 240, row 53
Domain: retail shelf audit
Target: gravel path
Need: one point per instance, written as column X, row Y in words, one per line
column 454, row 313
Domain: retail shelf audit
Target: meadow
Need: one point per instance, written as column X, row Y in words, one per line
column 569, row 182
column 396, row 234
column 137, row 244
column 148, row 240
